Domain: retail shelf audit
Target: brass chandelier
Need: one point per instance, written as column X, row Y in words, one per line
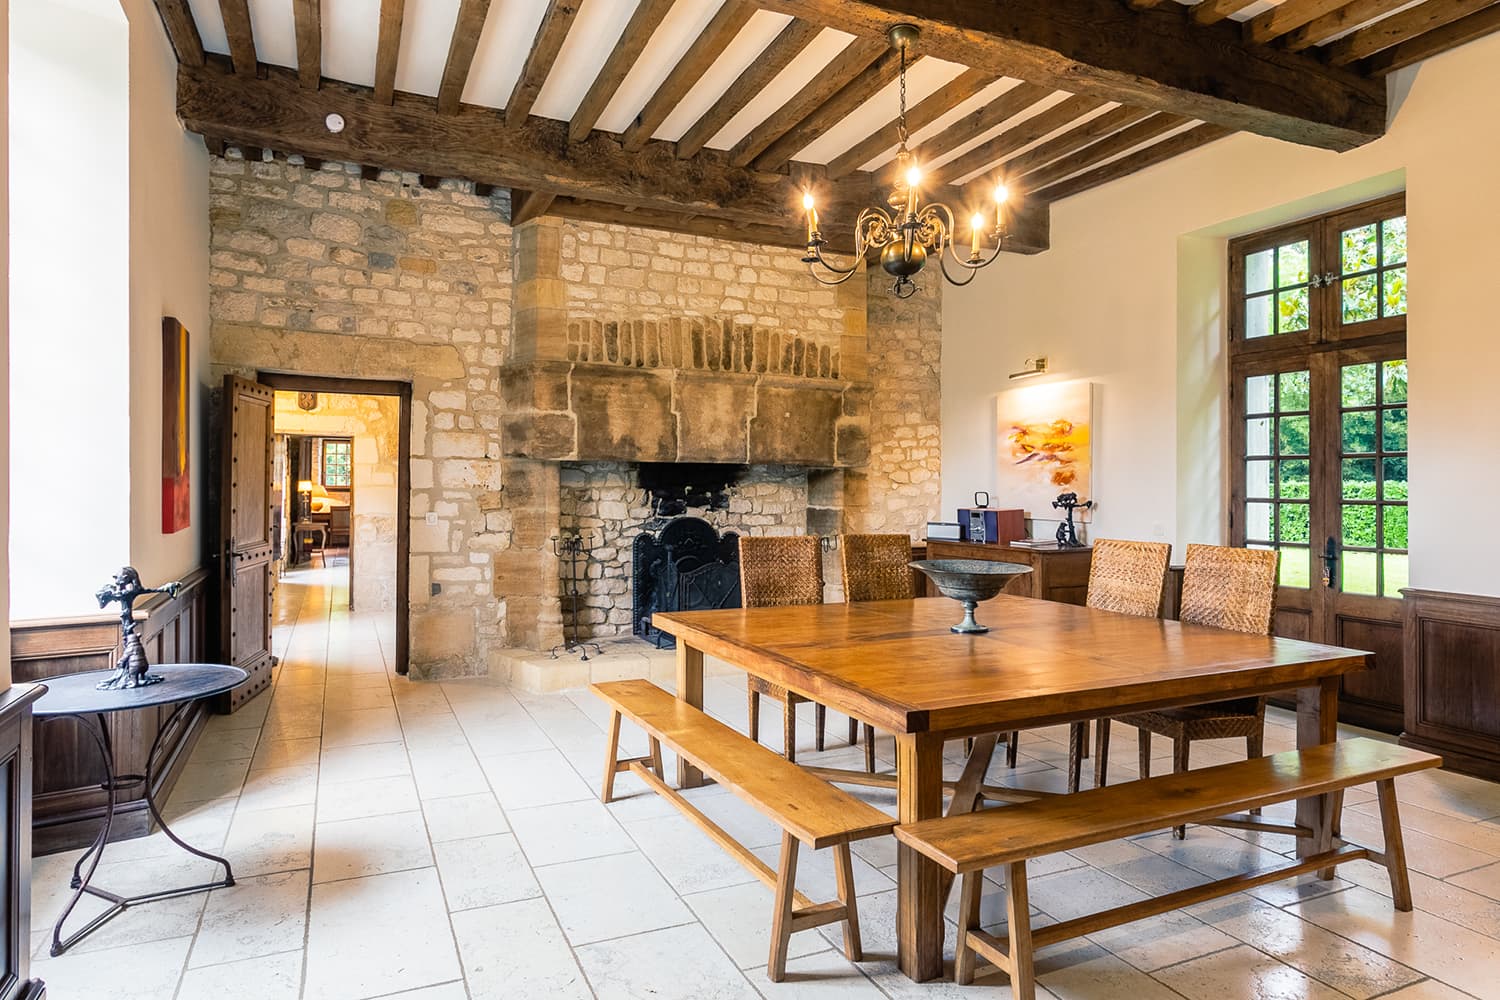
column 909, row 232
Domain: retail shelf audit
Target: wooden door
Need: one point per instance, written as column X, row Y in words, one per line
column 245, row 528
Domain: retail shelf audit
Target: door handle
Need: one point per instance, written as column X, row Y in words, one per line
column 229, row 561
column 1330, row 561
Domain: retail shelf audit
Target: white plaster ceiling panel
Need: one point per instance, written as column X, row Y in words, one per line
column 677, row 32
column 351, row 34
column 918, row 136
column 1185, row 126
column 924, row 78
column 426, row 32
column 504, row 44
column 594, row 34
column 275, row 32
column 799, row 72
column 1056, row 97
column 995, row 169
column 210, row 23
column 746, row 48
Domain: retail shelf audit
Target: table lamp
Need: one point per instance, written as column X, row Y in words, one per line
column 305, row 488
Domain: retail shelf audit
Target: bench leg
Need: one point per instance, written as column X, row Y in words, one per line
column 869, row 748
column 781, row 918
column 789, row 730
column 969, row 898
column 1395, row 847
column 611, row 753
column 843, row 867
column 1101, row 752
column 820, row 723
column 752, row 697
column 1018, row 917
column 656, row 763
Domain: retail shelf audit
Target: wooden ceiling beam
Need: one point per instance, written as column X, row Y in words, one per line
column 622, row 58
column 856, row 57
column 794, row 38
column 1400, row 27
column 1183, row 142
column 1285, row 17
column 528, row 205
column 1022, row 135
column 874, row 78
column 949, row 96
column 388, row 49
column 549, row 39
column 308, row 15
column 1071, row 141
column 1429, row 44
column 466, row 30
column 182, row 30
column 1214, row 11
column 241, row 38
column 1351, row 15
column 1107, row 148
column 981, row 120
column 702, row 54
column 1154, row 59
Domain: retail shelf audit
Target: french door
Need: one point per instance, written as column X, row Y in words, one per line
column 1318, row 387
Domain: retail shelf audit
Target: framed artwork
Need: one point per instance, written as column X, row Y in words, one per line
column 1044, row 434
column 176, row 448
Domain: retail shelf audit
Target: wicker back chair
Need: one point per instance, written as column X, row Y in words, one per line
column 1224, row 588
column 776, row 571
column 877, row 567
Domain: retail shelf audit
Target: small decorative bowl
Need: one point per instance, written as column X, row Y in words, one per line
column 969, row 581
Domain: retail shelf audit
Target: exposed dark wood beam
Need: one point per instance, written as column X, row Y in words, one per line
column 702, row 54
column 1214, row 11
column 1335, row 22
column 429, row 182
column 182, row 31
column 388, row 49
column 466, row 30
column 528, row 205
column 1154, row 59
column 842, row 70
column 638, row 31
column 1287, row 16
column 544, row 48
column 979, row 121
column 1108, row 148
column 309, row 25
column 1148, row 4
column 795, row 37
column 1425, row 46
column 1018, row 137
column 1071, row 141
column 236, row 15
column 1200, row 135
column 789, row 236
column 841, row 105
column 930, row 109
column 1400, row 27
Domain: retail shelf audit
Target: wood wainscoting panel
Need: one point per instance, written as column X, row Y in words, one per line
column 68, row 801
column 1374, row 698
column 1453, row 679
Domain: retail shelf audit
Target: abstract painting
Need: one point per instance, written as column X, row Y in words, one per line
column 176, row 449
column 1044, row 434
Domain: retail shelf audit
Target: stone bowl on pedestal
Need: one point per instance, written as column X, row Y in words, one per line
column 969, row 581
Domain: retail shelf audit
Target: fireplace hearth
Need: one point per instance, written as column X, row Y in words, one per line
column 687, row 566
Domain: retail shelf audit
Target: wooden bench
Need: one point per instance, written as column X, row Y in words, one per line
column 809, row 810
column 967, row 845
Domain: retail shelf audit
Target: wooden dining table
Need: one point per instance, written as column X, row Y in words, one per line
column 896, row 665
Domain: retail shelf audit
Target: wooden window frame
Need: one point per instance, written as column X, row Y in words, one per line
column 323, row 444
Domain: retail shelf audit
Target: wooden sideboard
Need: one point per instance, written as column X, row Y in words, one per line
column 1060, row 575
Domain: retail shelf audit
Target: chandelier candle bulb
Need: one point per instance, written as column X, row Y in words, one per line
column 812, row 216
column 975, row 224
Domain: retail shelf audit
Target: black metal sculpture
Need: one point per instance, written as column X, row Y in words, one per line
column 131, row 671
column 574, row 550
column 1067, row 535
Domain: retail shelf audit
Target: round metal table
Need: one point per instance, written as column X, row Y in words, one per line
column 76, row 696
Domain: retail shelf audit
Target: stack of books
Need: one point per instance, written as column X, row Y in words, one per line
column 1035, row 543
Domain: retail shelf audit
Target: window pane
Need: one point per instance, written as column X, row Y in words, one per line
column 1359, row 385
column 1359, row 479
column 1292, row 479
column 1397, row 574
column 1291, row 310
column 1359, row 432
column 1260, row 317
column 1291, row 264
column 1295, row 391
column 1393, row 292
column 1359, row 525
column 1395, row 479
column 1258, row 522
column 1258, row 479
column 1260, row 271
column 1393, row 519
column 1358, row 573
column 1359, row 251
column 1393, row 377
column 1292, row 520
column 1292, row 435
column 1295, row 567
column 1258, row 436
column 1258, row 394
column 1361, row 298
column 1393, row 429
column 1393, row 241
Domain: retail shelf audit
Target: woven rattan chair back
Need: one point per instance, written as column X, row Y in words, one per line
column 779, row 570
column 1229, row 588
column 1128, row 577
column 876, row 567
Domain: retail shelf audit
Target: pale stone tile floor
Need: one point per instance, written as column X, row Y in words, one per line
column 442, row 841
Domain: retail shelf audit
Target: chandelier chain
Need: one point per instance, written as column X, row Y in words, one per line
column 901, row 118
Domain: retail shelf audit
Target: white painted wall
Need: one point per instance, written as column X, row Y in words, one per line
column 5, row 348
column 1130, row 297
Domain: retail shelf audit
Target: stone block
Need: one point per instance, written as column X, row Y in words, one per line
column 432, row 538
column 468, row 474
column 458, row 444
column 531, row 484
column 624, row 415
column 535, row 387
column 795, row 425
column 853, row 443
column 713, row 417
column 539, row 435
column 443, row 637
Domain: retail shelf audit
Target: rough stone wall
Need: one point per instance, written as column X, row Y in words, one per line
column 604, row 502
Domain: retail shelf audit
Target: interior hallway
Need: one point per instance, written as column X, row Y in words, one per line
column 441, row 841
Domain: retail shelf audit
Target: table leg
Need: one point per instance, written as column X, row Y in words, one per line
column 921, row 892
column 1317, row 723
column 690, row 690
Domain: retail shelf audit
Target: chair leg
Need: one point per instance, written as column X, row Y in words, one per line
column 968, row 745
column 843, row 867
column 853, row 731
column 1143, row 746
column 1395, row 847
column 1012, row 746
column 969, row 899
column 1101, row 752
column 820, row 723
column 1180, row 747
column 611, row 754
column 1075, row 755
column 753, row 730
column 781, row 918
column 1018, row 916
column 1086, row 749
column 869, row 748
column 1255, row 746
column 789, row 730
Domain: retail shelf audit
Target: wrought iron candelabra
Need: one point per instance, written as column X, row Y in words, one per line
column 575, row 552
